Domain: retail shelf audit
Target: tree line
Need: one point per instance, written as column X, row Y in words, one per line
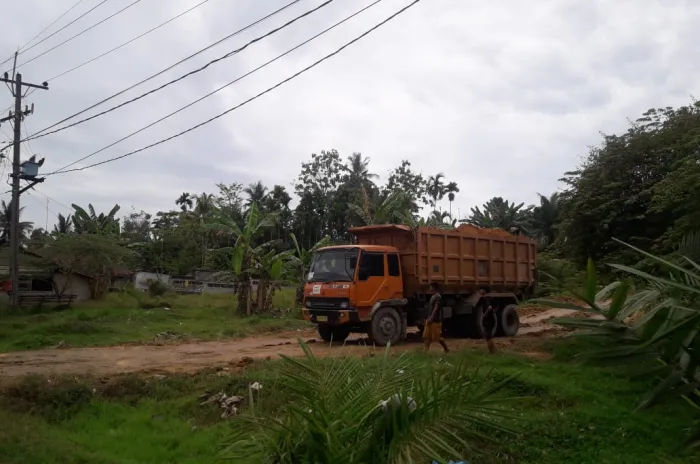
column 638, row 187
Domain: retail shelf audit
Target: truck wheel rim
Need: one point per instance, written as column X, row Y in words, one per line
column 387, row 326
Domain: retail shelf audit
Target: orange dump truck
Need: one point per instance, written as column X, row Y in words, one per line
column 381, row 284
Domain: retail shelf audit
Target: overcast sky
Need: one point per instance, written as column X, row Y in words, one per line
column 503, row 96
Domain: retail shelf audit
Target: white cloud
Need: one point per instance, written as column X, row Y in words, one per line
column 503, row 97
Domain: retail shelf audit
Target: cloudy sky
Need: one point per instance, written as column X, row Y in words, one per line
column 501, row 96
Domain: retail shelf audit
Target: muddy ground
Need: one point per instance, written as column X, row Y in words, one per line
column 194, row 356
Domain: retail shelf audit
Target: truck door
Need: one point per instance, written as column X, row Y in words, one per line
column 394, row 280
column 372, row 282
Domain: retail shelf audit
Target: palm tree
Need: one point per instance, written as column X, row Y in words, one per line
column 657, row 326
column 358, row 172
column 441, row 219
column 6, row 210
column 64, row 224
column 257, row 192
column 501, row 214
column 204, row 204
column 185, row 201
column 451, row 189
column 545, row 219
column 436, row 188
column 394, row 209
column 343, row 412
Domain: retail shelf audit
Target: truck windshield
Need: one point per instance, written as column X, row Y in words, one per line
column 333, row 266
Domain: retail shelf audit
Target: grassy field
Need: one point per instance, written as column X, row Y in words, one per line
column 572, row 415
column 125, row 318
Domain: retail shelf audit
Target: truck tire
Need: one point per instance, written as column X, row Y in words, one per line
column 509, row 321
column 477, row 329
column 333, row 333
column 385, row 327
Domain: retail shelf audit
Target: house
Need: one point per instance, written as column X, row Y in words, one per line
column 121, row 277
column 35, row 276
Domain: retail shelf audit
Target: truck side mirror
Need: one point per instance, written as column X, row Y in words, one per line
column 363, row 274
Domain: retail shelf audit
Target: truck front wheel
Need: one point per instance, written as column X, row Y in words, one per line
column 386, row 327
column 333, row 333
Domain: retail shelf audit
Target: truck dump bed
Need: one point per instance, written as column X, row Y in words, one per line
column 461, row 260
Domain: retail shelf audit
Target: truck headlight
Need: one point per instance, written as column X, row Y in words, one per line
column 308, row 304
column 344, row 305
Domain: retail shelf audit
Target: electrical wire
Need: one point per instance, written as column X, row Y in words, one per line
column 126, row 43
column 328, row 29
column 51, row 35
column 153, row 76
column 50, row 25
column 268, row 90
column 80, row 33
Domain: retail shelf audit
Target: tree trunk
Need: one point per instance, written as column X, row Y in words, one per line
column 248, row 301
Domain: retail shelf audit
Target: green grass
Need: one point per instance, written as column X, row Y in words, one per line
column 572, row 414
column 126, row 318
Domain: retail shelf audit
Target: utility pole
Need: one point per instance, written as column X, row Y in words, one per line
column 17, row 117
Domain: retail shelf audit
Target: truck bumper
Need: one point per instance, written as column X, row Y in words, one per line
column 332, row 316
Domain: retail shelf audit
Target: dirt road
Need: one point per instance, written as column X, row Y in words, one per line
column 190, row 357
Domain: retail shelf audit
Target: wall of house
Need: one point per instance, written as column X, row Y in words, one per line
column 141, row 279
column 213, row 287
column 76, row 285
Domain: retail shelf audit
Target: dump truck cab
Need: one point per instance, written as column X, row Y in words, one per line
column 346, row 283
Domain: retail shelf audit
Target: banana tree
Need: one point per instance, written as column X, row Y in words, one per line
column 301, row 260
column 269, row 267
column 85, row 222
column 246, row 254
column 657, row 325
column 395, row 208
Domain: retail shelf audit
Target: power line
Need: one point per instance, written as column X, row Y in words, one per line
column 270, row 89
column 35, row 135
column 51, row 35
column 328, row 29
column 80, row 33
column 50, row 25
column 127, row 42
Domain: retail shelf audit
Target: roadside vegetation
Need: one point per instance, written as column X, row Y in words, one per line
column 131, row 317
column 554, row 410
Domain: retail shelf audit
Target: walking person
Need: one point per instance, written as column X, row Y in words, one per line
column 433, row 325
column 488, row 320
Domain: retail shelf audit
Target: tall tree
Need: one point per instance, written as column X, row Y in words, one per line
column 436, row 188
column 545, row 219
column 403, row 179
column 25, row 227
column 185, row 201
column 257, row 193
column 452, row 190
column 358, row 174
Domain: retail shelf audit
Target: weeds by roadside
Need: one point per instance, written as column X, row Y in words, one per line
column 571, row 414
column 125, row 318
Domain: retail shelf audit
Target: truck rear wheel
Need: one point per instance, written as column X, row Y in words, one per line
column 386, row 327
column 509, row 321
column 333, row 333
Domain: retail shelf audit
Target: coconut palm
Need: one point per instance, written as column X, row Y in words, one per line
column 257, row 193
column 545, row 219
column 358, row 172
column 6, row 213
